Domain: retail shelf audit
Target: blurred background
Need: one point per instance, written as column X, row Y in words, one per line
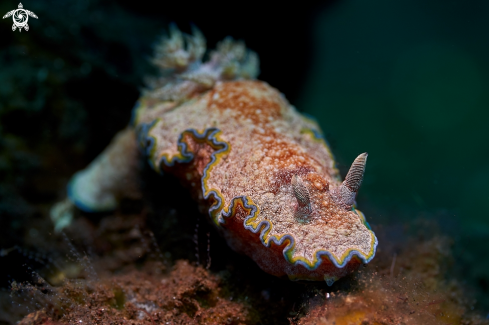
column 404, row 80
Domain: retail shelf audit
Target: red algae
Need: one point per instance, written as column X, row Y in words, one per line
column 407, row 284
column 405, row 288
column 187, row 295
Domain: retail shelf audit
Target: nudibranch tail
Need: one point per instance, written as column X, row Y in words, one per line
column 235, row 60
column 178, row 51
column 183, row 72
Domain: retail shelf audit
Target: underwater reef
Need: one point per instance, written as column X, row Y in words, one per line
column 116, row 270
column 187, row 295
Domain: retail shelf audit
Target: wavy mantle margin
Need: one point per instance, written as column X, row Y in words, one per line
column 266, row 226
column 219, row 213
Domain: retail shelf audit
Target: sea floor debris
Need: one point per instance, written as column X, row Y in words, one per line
column 188, row 294
column 128, row 280
column 407, row 285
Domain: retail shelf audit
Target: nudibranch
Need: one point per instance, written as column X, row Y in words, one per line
column 261, row 171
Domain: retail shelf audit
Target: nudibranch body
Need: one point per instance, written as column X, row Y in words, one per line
column 260, row 169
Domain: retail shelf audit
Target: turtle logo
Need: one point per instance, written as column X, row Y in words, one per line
column 20, row 17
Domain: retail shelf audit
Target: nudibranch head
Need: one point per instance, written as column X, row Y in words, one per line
column 309, row 219
column 261, row 169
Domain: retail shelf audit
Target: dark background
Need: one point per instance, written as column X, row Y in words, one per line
column 407, row 81
column 404, row 80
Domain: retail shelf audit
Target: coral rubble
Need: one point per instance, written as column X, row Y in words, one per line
column 408, row 287
column 187, row 295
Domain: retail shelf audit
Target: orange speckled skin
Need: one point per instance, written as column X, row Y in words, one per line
column 237, row 147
